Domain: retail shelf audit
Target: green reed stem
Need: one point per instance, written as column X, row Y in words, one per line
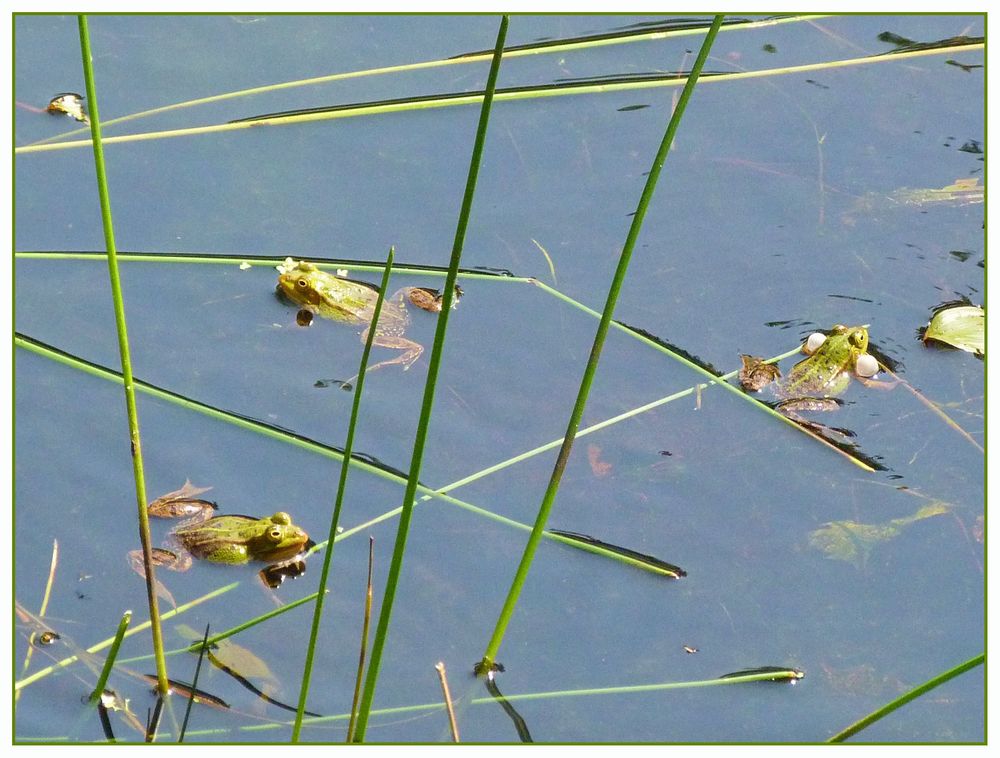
column 489, row 657
column 109, row 662
column 264, row 262
column 345, row 466
column 194, row 683
column 913, row 694
column 249, row 623
column 116, row 294
column 402, row 530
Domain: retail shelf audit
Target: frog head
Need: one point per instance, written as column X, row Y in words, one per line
column 275, row 538
column 298, row 283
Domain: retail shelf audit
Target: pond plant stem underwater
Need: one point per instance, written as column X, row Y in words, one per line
column 406, row 513
column 133, row 419
column 486, row 666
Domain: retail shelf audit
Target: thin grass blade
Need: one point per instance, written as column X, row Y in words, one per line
column 194, row 683
column 913, row 694
column 341, row 486
column 489, row 657
column 123, row 349
column 432, row 371
column 109, row 662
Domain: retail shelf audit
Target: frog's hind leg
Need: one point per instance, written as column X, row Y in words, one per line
column 793, row 407
column 421, row 297
column 412, row 351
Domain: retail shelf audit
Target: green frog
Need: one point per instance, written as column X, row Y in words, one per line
column 815, row 382
column 353, row 302
column 228, row 539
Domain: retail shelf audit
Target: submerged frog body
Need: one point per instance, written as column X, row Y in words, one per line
column 815, row 382
column 353, row 302
column 229, row 539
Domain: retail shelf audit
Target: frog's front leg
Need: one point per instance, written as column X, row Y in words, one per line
column 878, row 384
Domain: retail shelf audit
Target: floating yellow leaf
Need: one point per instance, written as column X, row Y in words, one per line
column 961, row 326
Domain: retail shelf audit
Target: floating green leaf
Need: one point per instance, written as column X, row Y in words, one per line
column 961, row 326
column 853, row 542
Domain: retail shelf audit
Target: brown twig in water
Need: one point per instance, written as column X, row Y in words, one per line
column 934, row 407
column 447, row 701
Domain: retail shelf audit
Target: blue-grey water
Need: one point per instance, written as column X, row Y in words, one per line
column 778, row 213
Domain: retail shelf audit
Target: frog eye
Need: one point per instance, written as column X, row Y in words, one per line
column 302, row 284
column 274, row 534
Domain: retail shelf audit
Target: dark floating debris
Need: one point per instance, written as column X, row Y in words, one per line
column 855, row 298
column 966, row 67
column 895, row 39
column 905, row 45
column 641, row 28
